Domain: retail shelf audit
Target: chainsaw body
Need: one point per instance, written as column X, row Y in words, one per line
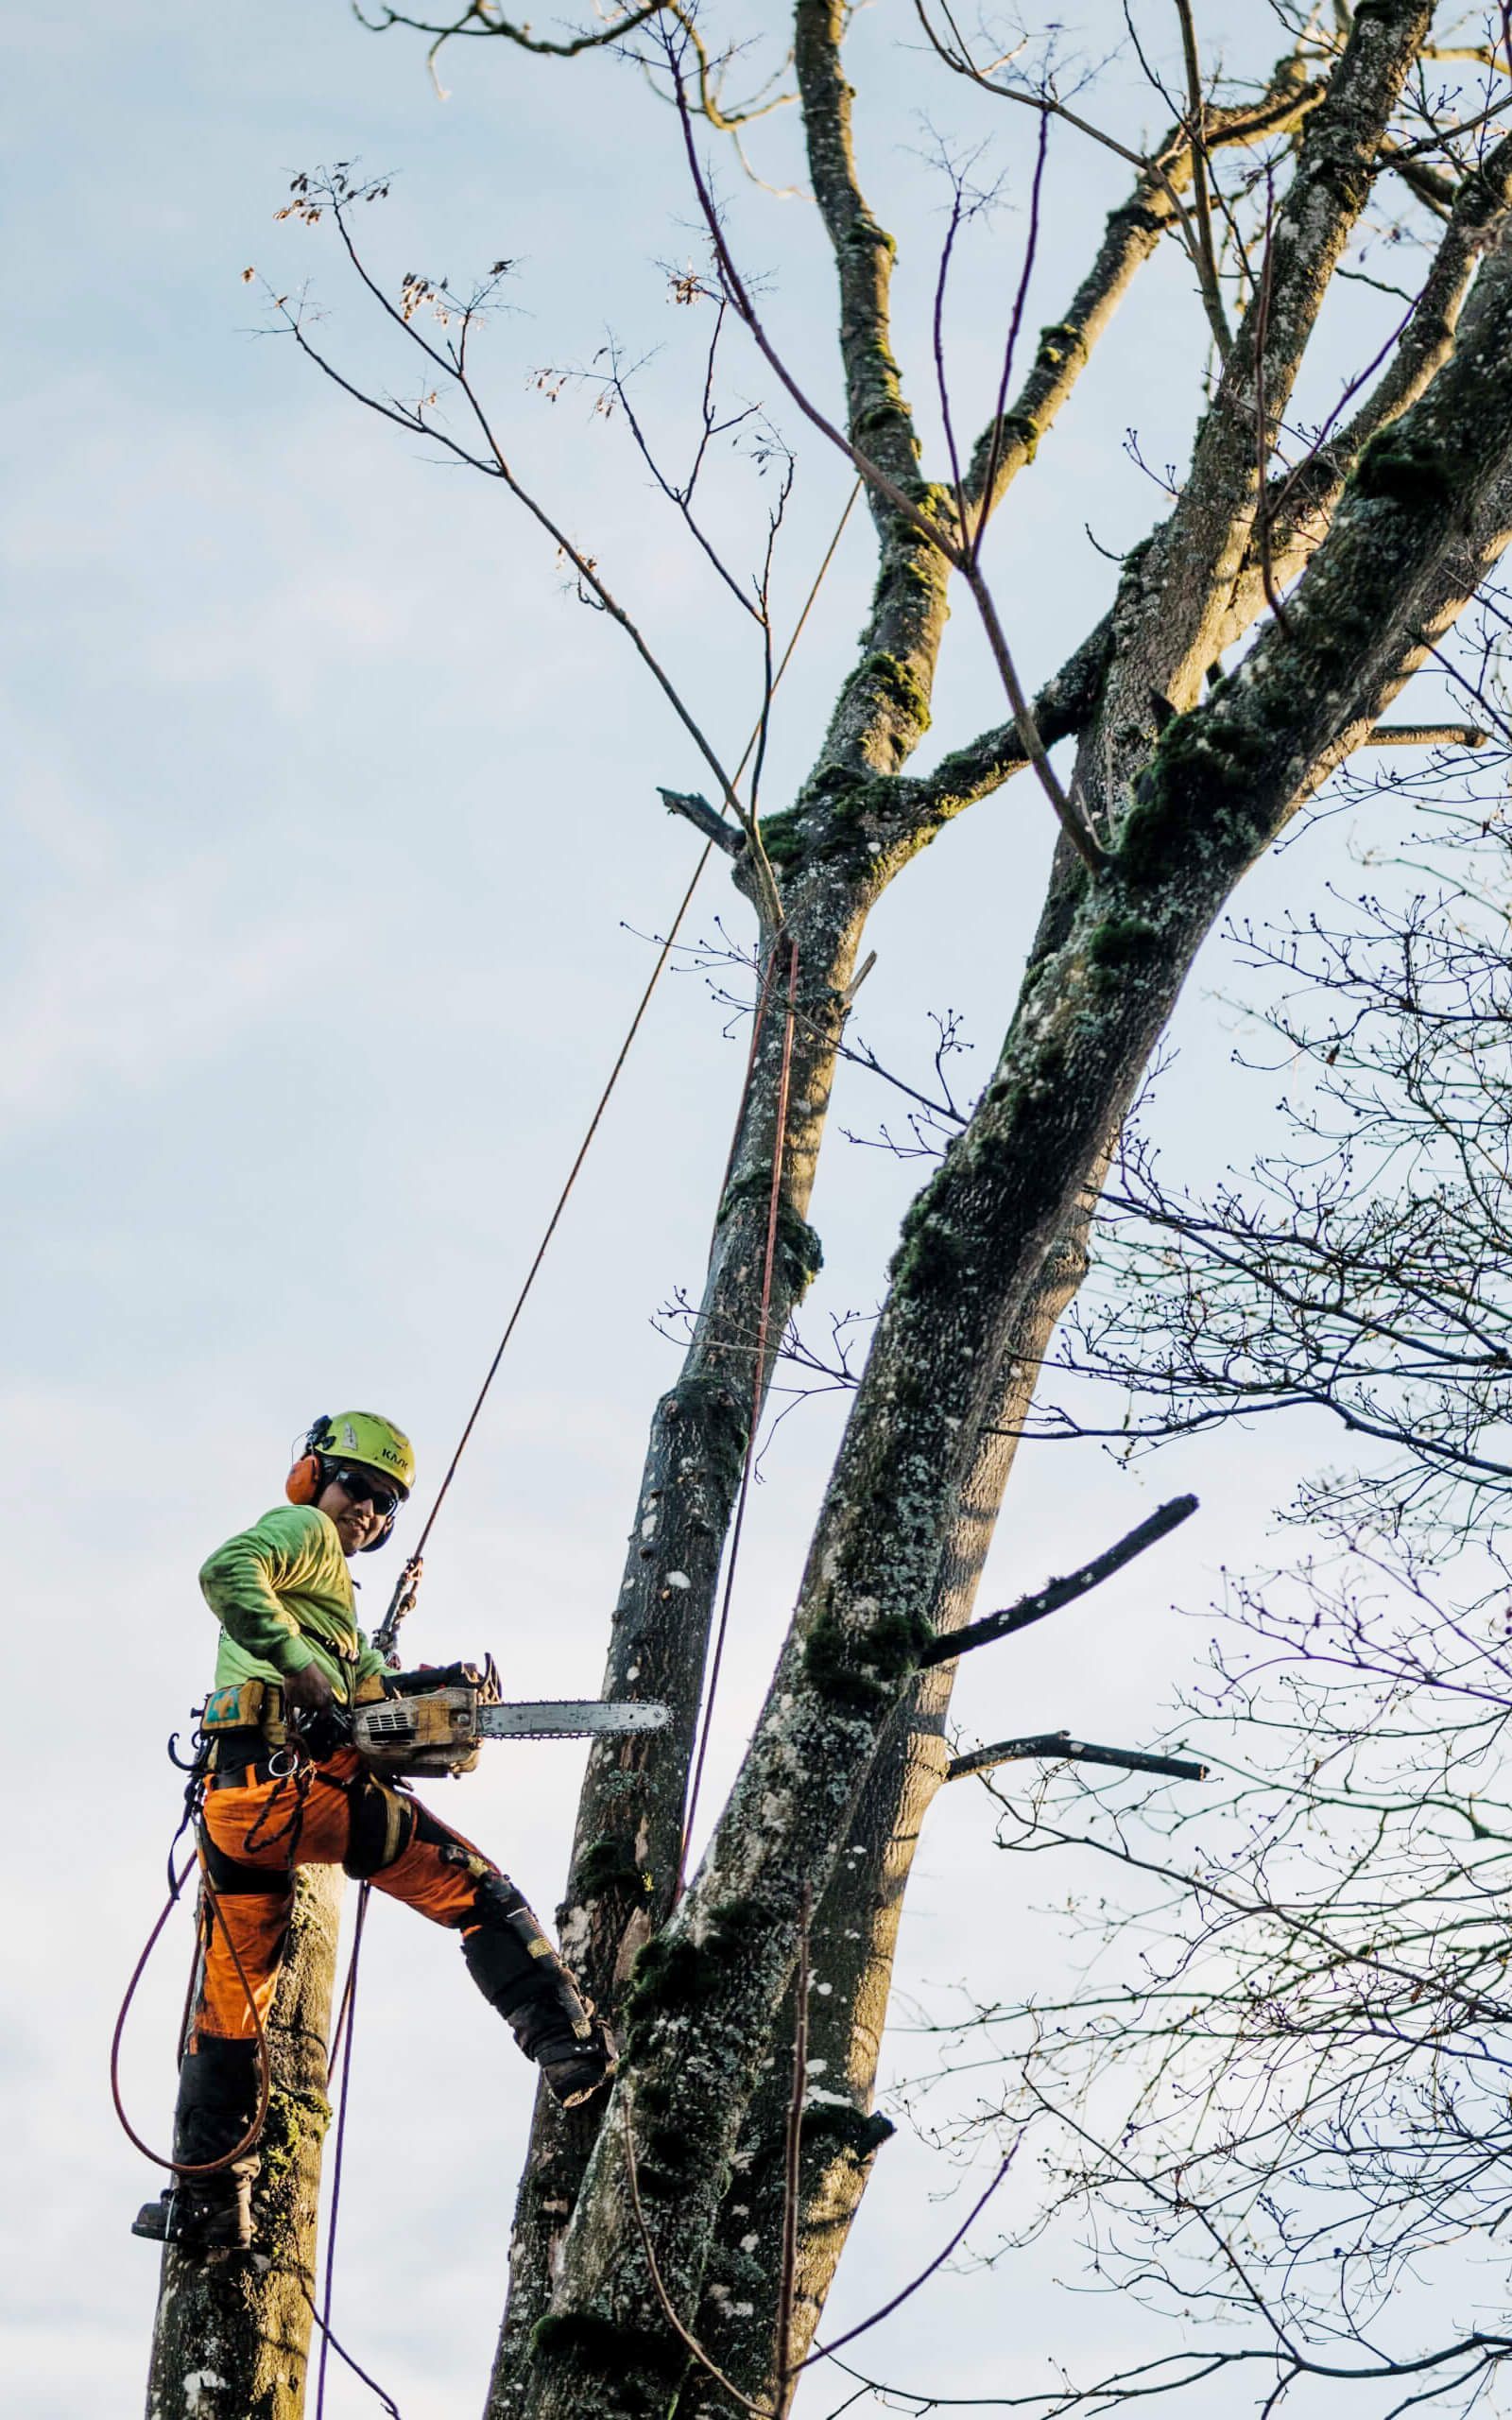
column 441, row 1730
column 435, row 1730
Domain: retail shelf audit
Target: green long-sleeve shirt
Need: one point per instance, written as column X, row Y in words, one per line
column 282, row 1595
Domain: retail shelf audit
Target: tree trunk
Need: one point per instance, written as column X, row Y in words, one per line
column 232, row 2337
column 854, row 1942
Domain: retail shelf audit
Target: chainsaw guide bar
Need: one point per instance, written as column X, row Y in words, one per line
column 568, row 1718
column 440, row 1731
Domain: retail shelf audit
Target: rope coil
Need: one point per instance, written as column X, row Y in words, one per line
column 192, row 1799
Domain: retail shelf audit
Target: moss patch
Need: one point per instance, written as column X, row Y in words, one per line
column 1121, row 947
column 1218, row 748
column 677, row 1977
column 605, row 1866
column 884, row 676
column 1058, row 344
column 830, row 2124
column 928, row 1257
column 801, row 1252
column 611, row 2353
column 293, row 2119
column 783, row 838
column 1404, row 469
column 859, row 1670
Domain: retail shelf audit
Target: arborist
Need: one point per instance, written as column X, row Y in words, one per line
column 284, row 1789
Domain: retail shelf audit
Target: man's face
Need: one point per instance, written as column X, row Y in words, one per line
column 347, row 1501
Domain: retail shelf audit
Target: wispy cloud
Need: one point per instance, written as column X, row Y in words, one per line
column 127, row 978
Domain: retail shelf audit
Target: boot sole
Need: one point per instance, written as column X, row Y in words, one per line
column 153, row 2226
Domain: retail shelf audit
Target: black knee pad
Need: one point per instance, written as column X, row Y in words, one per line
column 381, row 1828
column 516, row 1968
column 230, row 1879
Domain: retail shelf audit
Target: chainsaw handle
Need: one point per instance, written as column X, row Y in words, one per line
column 446, row 1676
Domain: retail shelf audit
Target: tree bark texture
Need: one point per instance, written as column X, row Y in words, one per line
column 854, row 1941
column 232, row 2333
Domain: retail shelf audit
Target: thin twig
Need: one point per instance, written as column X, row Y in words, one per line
column 942, row 383
column 1201, row 211
column 1031, row 246
column 1152, row 165
column 495, row 464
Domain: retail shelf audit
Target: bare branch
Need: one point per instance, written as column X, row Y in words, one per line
column 699, row 812
column 1057, row 1593
column 1428, row 734
column 1073, row 822
column 1054, row 1747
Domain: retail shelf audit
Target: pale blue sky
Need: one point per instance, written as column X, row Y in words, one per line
column 329, row 813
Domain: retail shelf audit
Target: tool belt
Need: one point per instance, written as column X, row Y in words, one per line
column 242, row 1758
column 247, row 1723
column 423, row 1722
column 245, row 1711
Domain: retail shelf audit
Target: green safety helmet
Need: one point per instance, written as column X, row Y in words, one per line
column 365, row 1437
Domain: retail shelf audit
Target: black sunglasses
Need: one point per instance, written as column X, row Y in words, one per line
column 363, row 1489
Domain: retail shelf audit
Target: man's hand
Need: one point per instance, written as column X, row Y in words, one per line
column 309, row 1691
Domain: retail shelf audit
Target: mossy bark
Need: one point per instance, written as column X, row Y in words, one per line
column 231, row 2336
column 854, row 1942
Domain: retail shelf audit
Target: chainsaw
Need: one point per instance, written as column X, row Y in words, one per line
column 435, row 1722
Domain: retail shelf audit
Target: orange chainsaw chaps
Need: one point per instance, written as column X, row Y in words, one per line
column 258, row 1834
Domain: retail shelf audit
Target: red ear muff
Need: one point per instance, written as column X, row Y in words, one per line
column 302, row 1484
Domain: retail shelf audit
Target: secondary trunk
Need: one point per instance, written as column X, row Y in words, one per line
column 853, row 1945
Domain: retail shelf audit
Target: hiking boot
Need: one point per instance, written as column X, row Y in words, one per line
column 209, row 2214
column 218, row 2100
